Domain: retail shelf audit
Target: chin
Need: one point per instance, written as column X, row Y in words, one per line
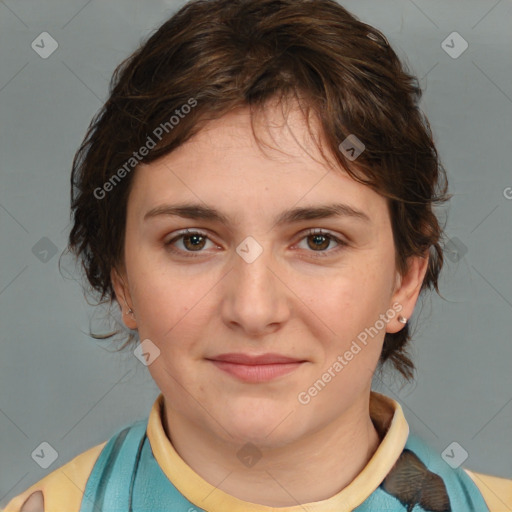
column 262, row 426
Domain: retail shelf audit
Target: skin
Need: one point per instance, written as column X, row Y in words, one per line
column 287, row 301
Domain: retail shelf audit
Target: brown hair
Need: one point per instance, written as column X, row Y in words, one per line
column 218, row 55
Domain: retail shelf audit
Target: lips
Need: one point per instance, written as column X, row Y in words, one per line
column 256, row 368
column 239, row 358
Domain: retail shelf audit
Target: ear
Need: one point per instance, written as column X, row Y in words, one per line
column 123, row 297
column 407, row 289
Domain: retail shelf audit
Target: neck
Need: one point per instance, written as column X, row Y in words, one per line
column 311, row 469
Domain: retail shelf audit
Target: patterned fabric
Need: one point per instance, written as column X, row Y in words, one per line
column 126, row 477
column 138, row 469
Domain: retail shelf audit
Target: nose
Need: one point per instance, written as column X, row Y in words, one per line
column 255, row 297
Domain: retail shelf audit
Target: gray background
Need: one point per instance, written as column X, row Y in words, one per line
column 59, row 386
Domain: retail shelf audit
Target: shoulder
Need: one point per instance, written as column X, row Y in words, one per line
column 496, row 491
column 63, row 489
column 464, row 487
column 63, row 486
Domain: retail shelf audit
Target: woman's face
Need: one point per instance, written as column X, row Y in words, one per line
column 252, row 280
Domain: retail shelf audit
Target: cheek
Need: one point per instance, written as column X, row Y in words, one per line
column 346, row 308
column 161, row 308
column 357, row 293
column 169, row 305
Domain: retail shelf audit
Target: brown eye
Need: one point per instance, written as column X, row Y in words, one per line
column 188, row 242
column 194, row 242
column 319, row 242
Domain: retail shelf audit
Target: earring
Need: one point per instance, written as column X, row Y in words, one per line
column 130, row 310
column 402, row 319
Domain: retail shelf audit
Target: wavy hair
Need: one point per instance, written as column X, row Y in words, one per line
column 227, row 54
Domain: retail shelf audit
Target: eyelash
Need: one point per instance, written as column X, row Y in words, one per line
column 308, row 233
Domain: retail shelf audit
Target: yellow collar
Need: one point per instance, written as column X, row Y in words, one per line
column 386, row 414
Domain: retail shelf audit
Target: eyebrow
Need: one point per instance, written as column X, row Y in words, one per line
column 202, row 212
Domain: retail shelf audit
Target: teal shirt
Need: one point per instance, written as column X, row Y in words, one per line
column 126, row 477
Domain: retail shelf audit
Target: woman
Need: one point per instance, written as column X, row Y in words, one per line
column 256, row 195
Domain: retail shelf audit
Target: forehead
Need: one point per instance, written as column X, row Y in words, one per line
column 279, row 131
column 253, row 163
